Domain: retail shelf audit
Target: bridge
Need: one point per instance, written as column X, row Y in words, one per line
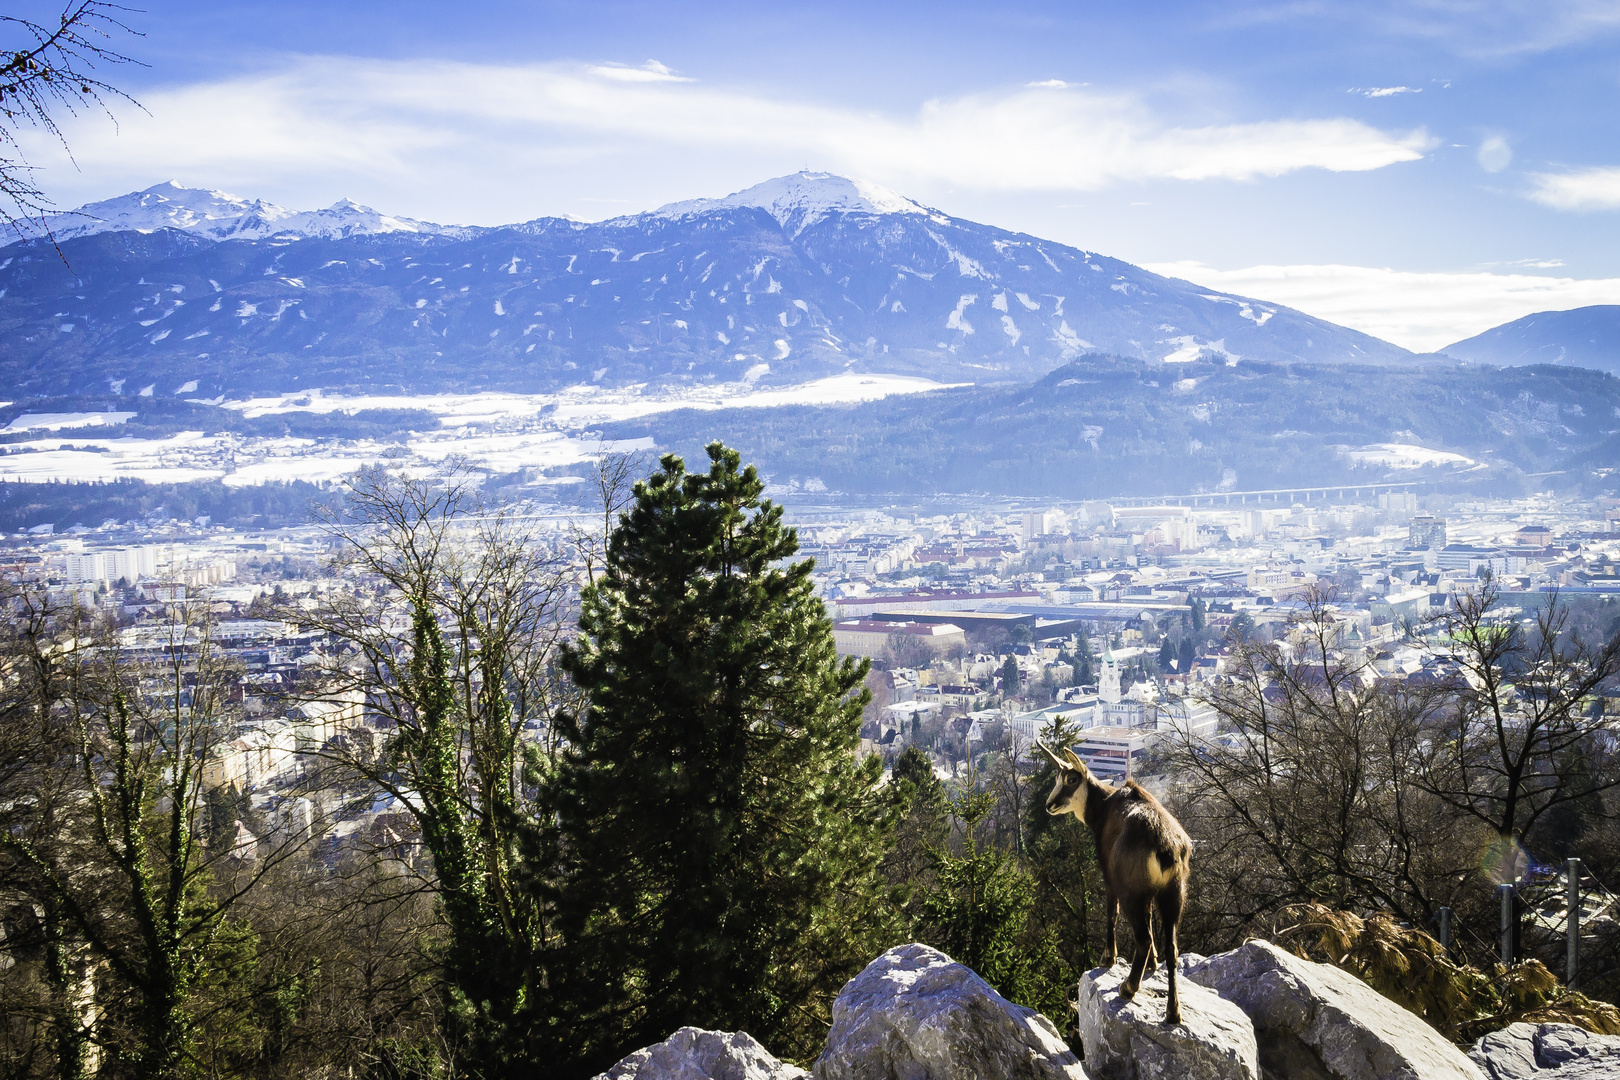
column 1274, row 496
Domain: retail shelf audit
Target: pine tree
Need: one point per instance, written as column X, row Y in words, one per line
column 1084, row 673
column 1009, row 676
column 979, row 911
column 724, row 841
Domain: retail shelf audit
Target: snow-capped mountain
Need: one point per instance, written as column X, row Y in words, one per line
column 795, row 279
column 801, row 200
column 220, row 216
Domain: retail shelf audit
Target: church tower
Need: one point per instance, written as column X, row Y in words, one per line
column 1108, row 683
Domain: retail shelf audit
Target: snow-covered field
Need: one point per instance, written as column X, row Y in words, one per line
column 587, row 404
column 56, row 421
column 1405, row 456
column 494, row 431
column 186, row 456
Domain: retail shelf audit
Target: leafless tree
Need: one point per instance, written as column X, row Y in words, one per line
column 104, row 835
column 907, row 651
column 1514, row 729
column 448, row 631
column 611, row 483
column 350, row 944
column 1310, row 793
column 46, row 75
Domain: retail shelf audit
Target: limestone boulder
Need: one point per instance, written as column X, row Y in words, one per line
column 694, row 1054
column 915, row 1014
column 1315, row 1022
column 1547, row 1052
column 1130, row 1040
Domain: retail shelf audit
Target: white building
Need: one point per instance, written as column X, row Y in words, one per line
column 1112, row 753
column 131, row 564
column 869, row 637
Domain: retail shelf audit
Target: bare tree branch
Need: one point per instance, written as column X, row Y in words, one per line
column 41, row 82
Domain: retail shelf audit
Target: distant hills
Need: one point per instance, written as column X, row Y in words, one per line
column 180, row 291
column 1586, row 337
column 1099, row 427
column 1106, row 426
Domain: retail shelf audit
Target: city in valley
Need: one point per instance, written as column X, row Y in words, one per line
column 985, row 623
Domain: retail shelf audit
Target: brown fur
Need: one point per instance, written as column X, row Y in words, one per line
column 1144, row 854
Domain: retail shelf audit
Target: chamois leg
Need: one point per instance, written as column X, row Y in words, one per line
column 1153, row 955
column 1137, row 909
column 1110, row 909
column 1170, row 902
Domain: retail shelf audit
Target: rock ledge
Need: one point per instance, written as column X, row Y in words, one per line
column 915, row 1014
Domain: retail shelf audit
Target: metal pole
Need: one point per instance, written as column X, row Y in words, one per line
column 1573, row 922
column 1504, row 893
column 1444, row 915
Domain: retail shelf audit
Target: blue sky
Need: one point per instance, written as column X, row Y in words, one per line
column 1421, row 170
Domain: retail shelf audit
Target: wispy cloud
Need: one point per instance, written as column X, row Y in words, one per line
column 477, row 125
column 1384, row 91
column 1420, row 311
column 1581, row 189
column 1477, row 28
column 651, row 71
column 1494, row 153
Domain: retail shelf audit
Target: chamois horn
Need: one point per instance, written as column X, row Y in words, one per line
column 1052, row 755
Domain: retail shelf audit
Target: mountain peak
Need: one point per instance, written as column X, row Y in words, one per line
column 219, row 215
column 804, row 197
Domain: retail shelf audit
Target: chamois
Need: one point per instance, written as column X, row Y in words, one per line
column 1144, row 854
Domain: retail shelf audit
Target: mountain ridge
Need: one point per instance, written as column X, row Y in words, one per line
column 218, row 215
column 1581, row 337
column 791, row 280
column 800, row 198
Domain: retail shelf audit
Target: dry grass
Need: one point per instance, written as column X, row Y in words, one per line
column 1411, row 968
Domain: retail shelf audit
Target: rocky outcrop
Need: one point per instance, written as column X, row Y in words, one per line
column 1316, row 1021
column 913, row 1013
column 694, row 1054
column 1547, row 1052
column 1131, row 1041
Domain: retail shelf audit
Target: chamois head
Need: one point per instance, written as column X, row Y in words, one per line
column 1069, row 792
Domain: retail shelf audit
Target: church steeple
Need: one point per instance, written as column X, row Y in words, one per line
column 1108, row 685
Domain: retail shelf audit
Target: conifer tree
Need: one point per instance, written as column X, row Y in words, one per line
column 1009, row 676
column 1084, row 673
column 979, row 912
column 724, row 842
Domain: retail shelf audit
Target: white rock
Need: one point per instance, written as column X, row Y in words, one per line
column 1314, row 1019
column 694, row 1054
column 1131, row 1041
column 914, row 1014
column 1550, row 1051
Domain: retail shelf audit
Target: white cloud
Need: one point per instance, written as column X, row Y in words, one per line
column 475, row 135
column 1420, row 311
column 1494, row 154
column 651, row 71
column 1584, row 189
column 1384, row 91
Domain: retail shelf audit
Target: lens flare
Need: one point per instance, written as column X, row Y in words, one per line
column 1503, row 861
